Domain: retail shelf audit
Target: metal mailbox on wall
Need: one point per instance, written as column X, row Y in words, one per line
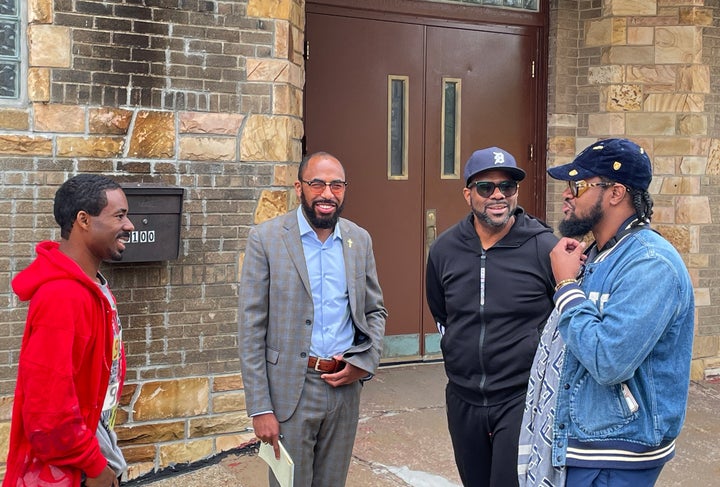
column 155, row 212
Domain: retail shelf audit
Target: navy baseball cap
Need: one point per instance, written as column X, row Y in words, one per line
column 492, row 158
column 619, row 160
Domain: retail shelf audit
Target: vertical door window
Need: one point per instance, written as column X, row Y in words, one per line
column 450, row 128
column 10, row 54
column 397, row 127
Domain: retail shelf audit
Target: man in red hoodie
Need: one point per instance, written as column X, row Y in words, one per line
column 72, row 363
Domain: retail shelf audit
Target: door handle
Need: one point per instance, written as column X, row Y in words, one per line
column 430, row 229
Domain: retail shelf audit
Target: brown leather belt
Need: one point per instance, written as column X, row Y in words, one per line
column 329, row 366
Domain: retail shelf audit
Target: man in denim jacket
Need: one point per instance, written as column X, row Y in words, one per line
column 625, row 314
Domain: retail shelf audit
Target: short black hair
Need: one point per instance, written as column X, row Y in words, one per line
column 84, row 192
column 306, row 160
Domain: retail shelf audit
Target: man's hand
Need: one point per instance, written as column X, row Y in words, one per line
column 347, row 375
column 267, row 429
column 566, row 258
column 107, row 478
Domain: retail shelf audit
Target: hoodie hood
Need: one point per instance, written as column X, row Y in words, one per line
column 50, row 265
column 526, row 227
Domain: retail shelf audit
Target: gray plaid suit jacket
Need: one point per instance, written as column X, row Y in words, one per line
column 276, row 312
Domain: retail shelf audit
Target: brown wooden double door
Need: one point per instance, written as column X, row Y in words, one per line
column 350, row 61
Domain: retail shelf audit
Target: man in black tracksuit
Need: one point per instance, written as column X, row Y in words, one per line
column 490, row 289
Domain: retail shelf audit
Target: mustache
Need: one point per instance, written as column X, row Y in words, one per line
column 324, row 201
column 124, row 235
column 497, row 203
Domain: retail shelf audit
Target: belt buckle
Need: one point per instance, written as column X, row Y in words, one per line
column 317, row 365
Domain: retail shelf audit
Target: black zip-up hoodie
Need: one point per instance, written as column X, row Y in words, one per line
column 491, row 326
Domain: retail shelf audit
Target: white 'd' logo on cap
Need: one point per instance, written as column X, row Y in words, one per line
column 499, row 157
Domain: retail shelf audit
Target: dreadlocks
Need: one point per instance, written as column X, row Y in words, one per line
column 641, row 200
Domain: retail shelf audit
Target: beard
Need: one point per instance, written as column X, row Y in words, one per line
column 323, row 221
column 488, row 222
column 576, row 227
column 116, row 255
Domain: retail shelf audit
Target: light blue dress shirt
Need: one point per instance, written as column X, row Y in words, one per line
column 332, row 331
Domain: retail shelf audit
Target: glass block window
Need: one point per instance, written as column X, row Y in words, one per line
column 10, row 49
column 521, row 4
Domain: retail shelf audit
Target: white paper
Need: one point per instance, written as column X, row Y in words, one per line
column 284, row 469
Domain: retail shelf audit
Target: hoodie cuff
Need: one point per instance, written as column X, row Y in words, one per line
column 96, row 467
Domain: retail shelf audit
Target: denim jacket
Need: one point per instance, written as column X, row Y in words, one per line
column 628, row 329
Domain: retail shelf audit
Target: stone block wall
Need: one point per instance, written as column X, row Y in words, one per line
column 207, row 95
column 709, row 327
column 201, row 94
column 648, row 70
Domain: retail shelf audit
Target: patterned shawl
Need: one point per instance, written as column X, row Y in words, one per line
column 535, row 466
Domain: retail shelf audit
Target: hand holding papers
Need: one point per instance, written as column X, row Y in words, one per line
column 284, row 468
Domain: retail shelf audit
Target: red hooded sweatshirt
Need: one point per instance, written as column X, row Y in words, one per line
column 63, row 374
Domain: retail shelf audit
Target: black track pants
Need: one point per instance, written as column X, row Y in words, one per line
column 485, row 440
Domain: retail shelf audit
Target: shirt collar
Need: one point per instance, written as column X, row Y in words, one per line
column 628, row 226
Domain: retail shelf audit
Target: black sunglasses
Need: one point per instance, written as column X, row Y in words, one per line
column 487, row 188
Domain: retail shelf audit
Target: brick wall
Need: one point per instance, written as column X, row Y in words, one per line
column 185, row 55
column 648, row 70
column 207, row 95
column 204, row 95
column 564, row 35
column 708, row 275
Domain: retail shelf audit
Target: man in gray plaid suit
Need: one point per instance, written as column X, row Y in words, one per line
column 311, row 323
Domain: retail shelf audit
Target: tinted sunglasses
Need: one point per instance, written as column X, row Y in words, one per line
column 317, row 186
column 577, row 188
column 487, row 188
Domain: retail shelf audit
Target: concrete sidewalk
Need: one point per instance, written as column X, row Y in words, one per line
column 402, row 439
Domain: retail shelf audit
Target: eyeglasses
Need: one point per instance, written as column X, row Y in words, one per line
column 578, row 188
column 317, row 186
column 487, row 188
